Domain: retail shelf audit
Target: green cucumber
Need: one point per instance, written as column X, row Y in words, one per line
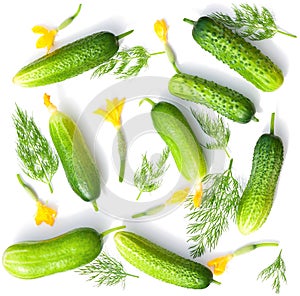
column 237, row 53
column 175, row 130
column 70, row 60
column 257, row 199
column 223, row 100
column 34, row 259
column 78, row 163
column 161, row 263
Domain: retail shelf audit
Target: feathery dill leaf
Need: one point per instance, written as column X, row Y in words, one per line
column 249, row 22
column 125, row 64
column 37, row 159
column 147, row 177
column 221, row 194
column 275, row 271
column 105, row 270
column 214, row 128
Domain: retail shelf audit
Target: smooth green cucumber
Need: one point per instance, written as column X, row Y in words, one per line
column 223, row 100
column 161, row 263
column 257, row 199
column 240, row 55
column 78, row 163
column 70, row 60
column 34, row 259
column 175, row 130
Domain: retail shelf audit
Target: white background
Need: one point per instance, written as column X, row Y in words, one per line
column 17, row 210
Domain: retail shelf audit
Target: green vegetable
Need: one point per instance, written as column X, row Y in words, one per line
column 225, row 101
column 37, row 159
column 33, row 259
column 175, row 130
column 147, row 177
column 237, row 53
column 70, row 60
column 257, row 199
column 105, row 270
column 250, row 23
column 160, row 263
column 276, row 271
column 78, row 163
column 126, row 63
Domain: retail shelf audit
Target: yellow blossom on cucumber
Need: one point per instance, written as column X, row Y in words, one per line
column 161, row 30
column 44, row 214
column 219, row 264
column 198, row 195
column 113, row 111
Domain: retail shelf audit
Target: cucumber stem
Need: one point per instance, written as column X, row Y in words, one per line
column 147, row 100
column 122, row 148
column 255, row 119
column 272, row 123
column 108, row 231
column 216, row 282
column 191, row 22
column 28, row 188
column 124, row 34
column 94, row 203
column 252, row 247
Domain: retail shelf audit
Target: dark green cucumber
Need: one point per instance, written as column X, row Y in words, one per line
column 160, row 263
column 257, row 199
column 34, row 259
column 78, row 163
column 223, row 100
column 69, row 60
column 237, row 53
column 175, row 130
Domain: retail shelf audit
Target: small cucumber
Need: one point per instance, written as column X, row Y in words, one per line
column 175, row 130
column 70, row 60
column 34, row 259
column 78, row 163
column 160, row 263
column 257, row 199
column 223, row 100
column 237, row 53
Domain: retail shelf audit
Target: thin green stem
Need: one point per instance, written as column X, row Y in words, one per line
column 28, row 188
column 255, row 119
column 230, row 164
column 155, row 53
column 191, row 22
column 286, row 33
column 252, row 247
column 122, row 147
column 139, row 195
column 108, row 231
column 95, row 206
column 272, row 123
column 147, row 100
column 124, row 34
column 69, row 20
column 216, row 282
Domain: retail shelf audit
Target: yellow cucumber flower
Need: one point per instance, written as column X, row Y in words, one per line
column 44, row 214
column 113, row 111
column 178, row 196
column 219, row 264
column 198, row 195
column 161, row 30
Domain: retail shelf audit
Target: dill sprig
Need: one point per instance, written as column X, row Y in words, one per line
column 214, row 128
column 221, row 194
column 147, row 177
column 275, row 271
column 126, row 63
column 105, row 270
column 37, row 159
column 250, row 22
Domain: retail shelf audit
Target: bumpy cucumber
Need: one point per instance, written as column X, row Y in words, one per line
column 223, row 100
column 237, row 53
column 160, row 263
column 78, row 163
column 34, row 259
column 257, row 199
column 175, row 130
column 69, row 60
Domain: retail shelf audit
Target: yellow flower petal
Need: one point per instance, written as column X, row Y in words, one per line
column 161, row 30
column 39, row 30
column 219, row 264
column 198, row 195
column 47, row 38
column 113, row 111
column 178, row 197
column 44, row 214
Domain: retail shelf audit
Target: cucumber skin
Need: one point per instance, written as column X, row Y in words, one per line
column 34, row 259
column 238, row 54
column 69, row 60
column 257, row 199
column 223, row 100
column 79, row 166
column 175, row 130
column 160, row 263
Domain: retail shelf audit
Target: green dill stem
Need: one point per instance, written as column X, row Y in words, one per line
column 286, row 33
column 139, row 195
column 122, row 147
column 252, row 247
column 227, row 153
column 155, row 53
column 106, row 232
column 28, row 188
column 124, row 34
column 272, row 123
column 189, row 21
